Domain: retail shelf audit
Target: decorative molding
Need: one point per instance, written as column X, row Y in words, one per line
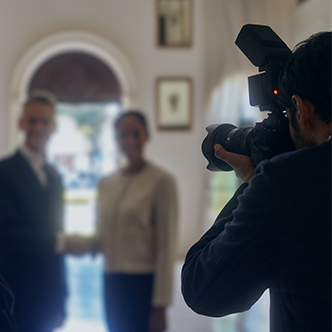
column 59, row 43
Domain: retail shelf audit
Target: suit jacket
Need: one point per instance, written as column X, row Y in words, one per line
column 276, row 234
column 7, row 321
column 30, row 217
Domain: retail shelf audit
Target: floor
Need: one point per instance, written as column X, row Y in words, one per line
column 85, row 309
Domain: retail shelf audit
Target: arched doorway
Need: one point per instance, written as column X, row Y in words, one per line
column 60, row 43
column 90, row 79
column 77, row 77
column 82, row 149
column 89, row 97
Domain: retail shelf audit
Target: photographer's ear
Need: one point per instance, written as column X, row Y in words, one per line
column 305, row 112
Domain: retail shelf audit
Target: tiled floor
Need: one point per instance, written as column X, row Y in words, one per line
column 86, row 311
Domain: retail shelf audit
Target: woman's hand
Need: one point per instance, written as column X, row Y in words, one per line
column 241, row 164
column 157, row 320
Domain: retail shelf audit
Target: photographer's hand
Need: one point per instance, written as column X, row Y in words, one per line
column 241, row 164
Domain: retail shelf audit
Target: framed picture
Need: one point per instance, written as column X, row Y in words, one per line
column 174, row 23
column 174, row 103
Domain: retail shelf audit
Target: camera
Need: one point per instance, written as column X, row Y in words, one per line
column 264, row 48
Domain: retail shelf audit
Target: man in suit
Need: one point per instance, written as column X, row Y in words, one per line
column 31, row 207
column 275, row 233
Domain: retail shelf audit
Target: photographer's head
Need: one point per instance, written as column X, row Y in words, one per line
column 305, row 90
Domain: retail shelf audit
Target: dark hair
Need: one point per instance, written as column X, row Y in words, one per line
column 308, row 74
column 137, row 114
column 41, row 97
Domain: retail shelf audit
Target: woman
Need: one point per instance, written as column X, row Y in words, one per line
column 137, row 212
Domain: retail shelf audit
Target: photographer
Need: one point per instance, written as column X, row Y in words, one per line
column 275, row 233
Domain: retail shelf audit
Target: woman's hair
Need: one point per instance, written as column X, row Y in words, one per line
column 308, row 74
column 136, row 114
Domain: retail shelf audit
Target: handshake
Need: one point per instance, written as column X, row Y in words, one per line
column 78, row 245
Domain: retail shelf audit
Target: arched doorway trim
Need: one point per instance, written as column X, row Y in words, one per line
column 65, row 42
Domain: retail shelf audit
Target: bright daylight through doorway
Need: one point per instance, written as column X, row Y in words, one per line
column 83, row 150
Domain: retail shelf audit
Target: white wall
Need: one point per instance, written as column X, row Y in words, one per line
column 130, row 26
column 310, row 17
column 293, row 22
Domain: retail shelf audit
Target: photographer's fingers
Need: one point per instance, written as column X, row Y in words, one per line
column 241, row 164
column 224, row 155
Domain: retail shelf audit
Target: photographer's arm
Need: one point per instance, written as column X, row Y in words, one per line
column 229, row 268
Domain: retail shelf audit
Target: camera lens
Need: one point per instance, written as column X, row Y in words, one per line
column 233, row 139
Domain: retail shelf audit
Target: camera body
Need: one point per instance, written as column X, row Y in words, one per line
column 263, row 47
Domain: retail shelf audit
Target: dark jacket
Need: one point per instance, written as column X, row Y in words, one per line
column 7, row 321
column 276, row 234
column 30, row 217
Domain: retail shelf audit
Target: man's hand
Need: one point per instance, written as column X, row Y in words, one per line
column 78, row 245
column 241, row 164
column 157, row 320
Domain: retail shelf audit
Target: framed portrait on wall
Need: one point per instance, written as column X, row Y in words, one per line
column 174, row 23
column 174, row 103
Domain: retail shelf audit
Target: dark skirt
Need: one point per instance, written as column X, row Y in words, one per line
column 128, row 301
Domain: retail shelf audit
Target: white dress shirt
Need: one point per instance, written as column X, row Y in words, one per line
column 37, row 161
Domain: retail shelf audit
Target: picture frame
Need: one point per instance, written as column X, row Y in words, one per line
column 174, row 103
column 174, row 23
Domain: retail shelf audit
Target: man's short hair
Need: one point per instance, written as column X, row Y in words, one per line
column 42, row 97
column 308, row 74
